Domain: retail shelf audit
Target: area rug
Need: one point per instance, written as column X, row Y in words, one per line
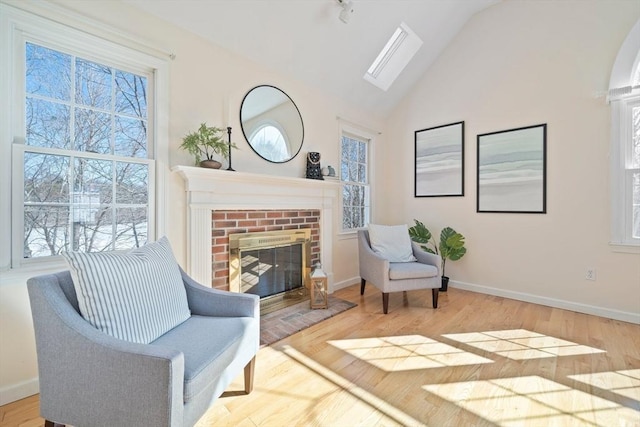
column 282, row 323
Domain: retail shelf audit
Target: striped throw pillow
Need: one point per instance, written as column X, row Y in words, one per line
column 135, row 296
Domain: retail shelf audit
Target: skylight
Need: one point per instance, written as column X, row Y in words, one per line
column 394, row 57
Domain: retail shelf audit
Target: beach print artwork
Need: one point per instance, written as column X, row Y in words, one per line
column 512, row 170
column 439, row 154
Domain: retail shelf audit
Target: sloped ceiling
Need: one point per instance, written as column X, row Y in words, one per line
column 305, row 40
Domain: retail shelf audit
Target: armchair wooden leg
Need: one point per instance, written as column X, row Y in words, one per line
column 362, row 283
column 385, row 302
column 248, row 375
column 435, row 292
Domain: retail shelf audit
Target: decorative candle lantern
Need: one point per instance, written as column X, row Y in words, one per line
column 319, row 295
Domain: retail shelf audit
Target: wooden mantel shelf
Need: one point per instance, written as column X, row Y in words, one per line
column 201, row 179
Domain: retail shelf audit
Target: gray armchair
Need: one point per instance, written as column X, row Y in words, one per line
column 398, row 276
column 88, row 378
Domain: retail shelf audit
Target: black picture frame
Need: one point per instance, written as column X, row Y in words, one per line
column 512, row 171
column 439, row 161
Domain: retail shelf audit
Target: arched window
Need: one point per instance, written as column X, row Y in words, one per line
column 624, row 96
column 271, row 141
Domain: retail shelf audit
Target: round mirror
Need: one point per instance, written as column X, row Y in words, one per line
column 271, row 123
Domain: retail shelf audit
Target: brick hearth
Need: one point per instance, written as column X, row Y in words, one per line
column 225, row 222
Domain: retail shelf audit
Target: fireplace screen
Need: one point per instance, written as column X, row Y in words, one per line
column 269, row 264
column 270, row 271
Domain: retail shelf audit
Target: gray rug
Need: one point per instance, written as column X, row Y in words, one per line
column 282, row 323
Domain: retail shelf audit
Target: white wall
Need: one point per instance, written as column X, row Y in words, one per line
column 516, row 64
column 207, row 83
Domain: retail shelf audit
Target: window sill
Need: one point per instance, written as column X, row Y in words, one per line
column 23, row 273
column 348, row 235
column 628, row 248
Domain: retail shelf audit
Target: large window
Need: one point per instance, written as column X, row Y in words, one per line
column 354, row 173
column 82, row 145
column 85, row 162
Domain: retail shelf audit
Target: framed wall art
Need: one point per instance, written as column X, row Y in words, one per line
column 512, row 170
column 439, row 161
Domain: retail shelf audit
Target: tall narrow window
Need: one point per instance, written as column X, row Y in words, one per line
column 85, row 157
column 624, row 97
column 354, row 173
column 626, row 168
column 634, row 170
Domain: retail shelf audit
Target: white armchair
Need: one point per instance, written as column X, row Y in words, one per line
column 398, row 276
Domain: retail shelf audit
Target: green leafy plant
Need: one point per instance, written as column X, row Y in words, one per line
column 451, row 245
column 420, row 234
column 205, row 142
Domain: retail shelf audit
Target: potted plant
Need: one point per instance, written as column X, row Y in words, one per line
column 451, row 245
column 204, row 143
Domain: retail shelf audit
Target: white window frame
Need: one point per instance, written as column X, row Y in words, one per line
column 16, row 27
column 369, row 136
column 622, row 170
column 624, row 95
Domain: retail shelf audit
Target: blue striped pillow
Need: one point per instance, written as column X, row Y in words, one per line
column 135, row 296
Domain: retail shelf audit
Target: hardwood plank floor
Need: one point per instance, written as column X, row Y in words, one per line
column 477, row 360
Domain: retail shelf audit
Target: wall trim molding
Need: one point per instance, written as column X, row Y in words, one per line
column 19, row 391
column 346, row 283
column 550, row 302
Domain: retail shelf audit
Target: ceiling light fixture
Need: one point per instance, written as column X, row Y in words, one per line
column 347, row 10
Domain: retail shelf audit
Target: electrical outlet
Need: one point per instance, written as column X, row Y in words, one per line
column 591, row 274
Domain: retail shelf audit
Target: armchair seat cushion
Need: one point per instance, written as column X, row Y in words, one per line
column 411, row 270
column 209, row 345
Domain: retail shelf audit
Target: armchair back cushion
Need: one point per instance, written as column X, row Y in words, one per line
column 392, row 242
column 135, row 296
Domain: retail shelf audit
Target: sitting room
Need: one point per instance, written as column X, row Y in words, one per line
column 315, row 212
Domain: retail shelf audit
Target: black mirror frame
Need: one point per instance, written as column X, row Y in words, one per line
column 245, row 134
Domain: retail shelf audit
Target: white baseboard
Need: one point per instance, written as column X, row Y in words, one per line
column 346, row 283
column 526, row 297
column 19, row 391
column 550, row 302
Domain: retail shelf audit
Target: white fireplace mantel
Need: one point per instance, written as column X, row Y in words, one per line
column 211, row 189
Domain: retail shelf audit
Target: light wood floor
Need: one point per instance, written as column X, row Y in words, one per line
column 477, row 360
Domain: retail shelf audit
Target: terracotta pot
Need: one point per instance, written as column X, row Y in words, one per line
column 212, row 164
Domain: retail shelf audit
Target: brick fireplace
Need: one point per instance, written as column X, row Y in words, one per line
column 219, row 202
column 227, row 222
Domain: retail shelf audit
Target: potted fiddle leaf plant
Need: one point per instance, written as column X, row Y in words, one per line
column 204, row 143
column 451, row 245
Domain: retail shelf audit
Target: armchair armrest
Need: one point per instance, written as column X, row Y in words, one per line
column 214, row 302
column 425, row 257
column 81, row 366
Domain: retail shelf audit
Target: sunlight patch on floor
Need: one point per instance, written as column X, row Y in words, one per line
column 625, row 383
column 354, row 395
column 520, row 344
column 407, row 352
column 533, row 400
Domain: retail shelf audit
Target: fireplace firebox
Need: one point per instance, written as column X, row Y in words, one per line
column 274, row 265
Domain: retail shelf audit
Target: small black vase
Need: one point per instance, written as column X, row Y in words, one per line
column 445, row 284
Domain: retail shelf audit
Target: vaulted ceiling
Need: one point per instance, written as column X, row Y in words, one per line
column 305, row 40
